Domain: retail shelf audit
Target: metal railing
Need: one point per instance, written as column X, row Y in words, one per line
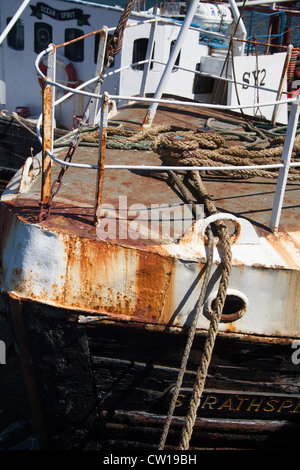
column 47, row 119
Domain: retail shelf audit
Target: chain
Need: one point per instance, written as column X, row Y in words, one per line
column 46, row 207
column 115, row 43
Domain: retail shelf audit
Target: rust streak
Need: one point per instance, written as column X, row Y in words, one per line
column 101, row 159
column 47, row 131
column 287, row 247
column 152, row 280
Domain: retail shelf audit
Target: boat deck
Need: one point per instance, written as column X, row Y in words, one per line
column 72, row 209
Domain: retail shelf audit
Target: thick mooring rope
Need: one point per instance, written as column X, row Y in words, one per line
column 189, row 343
column 214, row 323
column 218, row 305
column 213, row 328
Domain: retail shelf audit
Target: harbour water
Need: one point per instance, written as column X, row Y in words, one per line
column 16, row 425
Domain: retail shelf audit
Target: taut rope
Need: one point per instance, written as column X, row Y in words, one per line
column 186, row 143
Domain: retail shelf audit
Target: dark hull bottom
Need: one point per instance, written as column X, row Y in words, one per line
column 17, row 142
column 109, row 386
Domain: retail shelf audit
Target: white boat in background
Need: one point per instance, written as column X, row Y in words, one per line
column 203, row 57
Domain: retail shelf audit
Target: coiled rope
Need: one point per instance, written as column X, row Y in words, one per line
column 181, row 146
column 205, row 149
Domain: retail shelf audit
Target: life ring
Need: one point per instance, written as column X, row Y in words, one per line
column 69, row 68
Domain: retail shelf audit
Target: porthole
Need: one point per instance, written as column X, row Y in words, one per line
column 202, row 84
column 178, row 56
column 96, row 48
column 42, row 36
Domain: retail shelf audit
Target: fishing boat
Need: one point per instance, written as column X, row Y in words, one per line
column 150, row 257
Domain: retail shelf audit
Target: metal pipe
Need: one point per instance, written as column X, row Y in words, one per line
column 101, row 157
column 174, row 102
column 149, row 54
column 167, row 168
column 256, row 2
column 191, row 168
column 48, row 129
column 282, row 82
column 175, row 51
column 13, row 20
column 94, row 79
column 241, row 26
column 92, row 109
column 283, row 172
column 47, row 134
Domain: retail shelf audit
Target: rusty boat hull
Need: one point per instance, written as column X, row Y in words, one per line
column 102, row 324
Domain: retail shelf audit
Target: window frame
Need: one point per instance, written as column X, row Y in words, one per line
column 12, row 38
column 143, row 49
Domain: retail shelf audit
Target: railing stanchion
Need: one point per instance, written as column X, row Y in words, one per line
column 101, row 155
column 48, row 129
column 149, row 55
column 286, row 160
column 171, row 62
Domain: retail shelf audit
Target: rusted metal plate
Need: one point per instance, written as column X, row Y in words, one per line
column 47, row 131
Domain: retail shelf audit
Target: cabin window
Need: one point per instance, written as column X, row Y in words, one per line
column 96, row 48
column 139, row 53
column 74, row 51
column 42, row 36
column 15, row 37
column 178, row 57
column 202, row 84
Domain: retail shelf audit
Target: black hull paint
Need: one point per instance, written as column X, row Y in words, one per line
column 108, row 386
column 16, row 142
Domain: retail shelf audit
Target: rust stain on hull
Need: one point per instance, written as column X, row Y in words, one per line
column 287, row 246
column 117, row 280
